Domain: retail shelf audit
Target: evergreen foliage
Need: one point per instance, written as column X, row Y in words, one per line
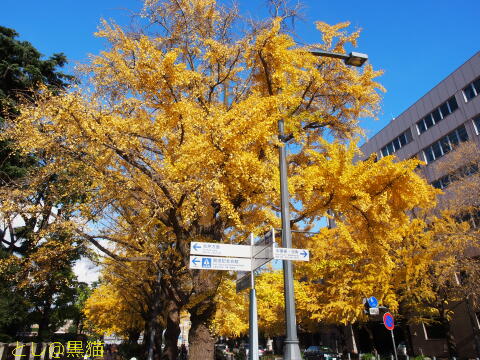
column 34, row 288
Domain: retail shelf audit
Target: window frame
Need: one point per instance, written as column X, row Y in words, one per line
column 424, row 126
column 472, row 86
column 450, row 106
column 476, row 124
column 407, row 135
column 433, row 337
column 455, row 134
column 447, row 109
column 436, row 115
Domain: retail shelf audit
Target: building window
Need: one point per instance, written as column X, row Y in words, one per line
column 397, row 143
column 434, row 331
column 452, row 104
column 437, row 115
column 442, row 183
column 460, row 173
column 473, row 218
column 445, row 144
column 471, row 90
column 476, row 122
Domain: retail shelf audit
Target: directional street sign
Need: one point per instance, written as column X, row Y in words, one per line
column 262, row 257
column 267, row 239
column 244, row 281
column 262, row 250
column 244, row 259
column 215, row 249
column 291, row 254
column 388, row 321
column 217, row 263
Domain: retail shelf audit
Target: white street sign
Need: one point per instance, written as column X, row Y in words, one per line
column 262, row 257
column 374, row 311
column 216, row 263
column 215, row 249
column 267, row 239
column 244, row 281
column 291, row 254
column 262, row 250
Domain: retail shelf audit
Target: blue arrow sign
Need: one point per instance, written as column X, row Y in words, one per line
column 304, row 253
column 372, row 302
column 195, row 261
column 197, row 246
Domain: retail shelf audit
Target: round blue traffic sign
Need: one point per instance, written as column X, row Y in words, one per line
column 372, row 302
column 388, row 321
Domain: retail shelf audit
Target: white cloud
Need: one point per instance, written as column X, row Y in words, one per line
column 86, row 270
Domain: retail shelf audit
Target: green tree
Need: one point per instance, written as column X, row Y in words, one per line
column 22, row 72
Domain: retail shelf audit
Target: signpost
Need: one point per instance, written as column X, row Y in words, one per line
column 244, row 259
column 214, row 249
column 244, row 281
column 291, row 254
column 262, row 250
column 253, row 329
column 217, row 263
column 390, row 325
column 261, row 254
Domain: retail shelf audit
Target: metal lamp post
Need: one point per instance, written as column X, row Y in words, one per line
column 292, row 349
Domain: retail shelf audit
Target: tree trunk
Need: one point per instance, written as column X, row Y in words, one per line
column 201, row 342
column 133, row 336
column 154, row 331
column 451, row 343
column 43, row 331
column 172, row 332
column 370, row 338
column 408, row 337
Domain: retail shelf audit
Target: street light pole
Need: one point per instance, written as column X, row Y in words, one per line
column 292, row 348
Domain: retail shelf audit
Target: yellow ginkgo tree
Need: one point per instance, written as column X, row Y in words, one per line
column 175, row 133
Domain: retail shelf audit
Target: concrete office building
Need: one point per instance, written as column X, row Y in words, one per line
column 447, row 115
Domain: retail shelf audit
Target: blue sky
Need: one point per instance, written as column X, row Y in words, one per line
column 416, row 42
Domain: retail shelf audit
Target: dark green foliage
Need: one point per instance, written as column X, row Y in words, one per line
column 22, row 71
column 14, row 307
column 33, row 289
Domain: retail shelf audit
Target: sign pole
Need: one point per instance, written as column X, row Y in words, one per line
column 394, row 346
column 390, row 325
column 253, row 331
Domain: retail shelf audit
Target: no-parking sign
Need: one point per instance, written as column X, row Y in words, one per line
column 388, row 321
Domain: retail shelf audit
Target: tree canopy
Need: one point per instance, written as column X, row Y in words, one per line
column 35, row 287
column 174, row 139
column 22, row 70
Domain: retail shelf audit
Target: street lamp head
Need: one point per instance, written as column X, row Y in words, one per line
column 353, row 59
column 356, row 59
